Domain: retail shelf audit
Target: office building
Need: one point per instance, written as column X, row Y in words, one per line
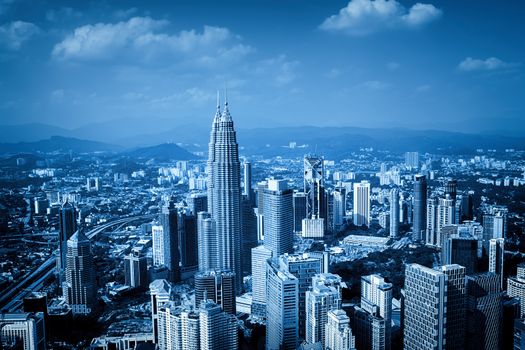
column 516, row 287
column 160, row 292
column 394, row 213
column 67, row 226
column 224, row 194
column 324, row 296
column 136, row 269
column 188, row 241
column 260, row 256
column 218, row 329
column 22, row 331
column 420, row 206
column 314, row 187
column 497, row 257
column 157, row 234
column 170, row 242
column 425, row 308
column 207, row 247
column 412, row 160
column 369, row 329
column 79, row 288
column 462, row 251
column 218, row 286
column 339, row 209
column 278, row 217
column 484, row 311
column 338, row 333
column 361, row 203
column 456, row 306
column 249, row 223
column 299, row 210
column 376, row 300
column 197, row 202
column 179, row 328
column 282, row 295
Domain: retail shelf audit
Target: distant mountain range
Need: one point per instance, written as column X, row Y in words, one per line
column 177, row 143
column 163, row 152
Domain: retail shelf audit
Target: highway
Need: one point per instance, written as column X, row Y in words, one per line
column 11, row 298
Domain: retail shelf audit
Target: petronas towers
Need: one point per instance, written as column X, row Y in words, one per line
column 220, row 230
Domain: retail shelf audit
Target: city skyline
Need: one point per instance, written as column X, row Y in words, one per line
column 358, row 63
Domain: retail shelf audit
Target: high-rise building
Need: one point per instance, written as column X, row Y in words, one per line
column 425, row 312
column 324, row 296
column 218, row 329
column 299, row 210
column 369, row 329
column 160, row 292
column 376, row 300
column 218, row 286
column 462, row 251
column 282, row 295
column 208, row 248
column 260, row 256
column 303, row 267
column 440, row 213
column 519, row 334
column 394, row 212
column 188, row 241
column 157, row 234
column 136, row 269
column 278, row 217
column 67, row 226
column 412, row 160
column 80, row 287
column 249, row 222
column 170, row 241
column 339, row 209
column 179, row 328
column 22, row 331
column 456, row 306
column 338, row 333
column 259, row 212
column 451, row 189
column 420, row 205
column 496, row 257
column 516, row 287
column 362, row 203
column 314, row 187
column 224, row 193
column 484, row 312
column 494, row 225
column 197, row 202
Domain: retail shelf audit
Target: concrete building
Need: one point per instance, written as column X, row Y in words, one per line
column 218, row 329
column 22, row 331
column 420, row 203
column 218, row 286
column 361, row 203
column 136, row 269
column 338, row 333
column 497, row 257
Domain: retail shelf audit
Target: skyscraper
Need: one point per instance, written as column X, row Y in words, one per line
column 170, row 240
column 456, row 306
column 412, row 160
column 324, row 296
column 462, row 251
column 299, row 210
column 394, row 213
column 208, row 247
column 496, row 257
column 420, row 202
column 224, row 193
column 218, row 286
column 339, row 208
column 278, row 217
column 260, row 256
column 67, row 226
column 136, row 269
column 160, row 292
column 218, row 329
column 157, row 234
column 484, row 312
column 376, row 300
column 314, row 187
column 188, row 241
column 178, row 328
column 338, row 333
column 249, row 221
column 282, row 296
column 22, row 331
column 425, row 308
column 516, row 287
column 362, row 203
column 80, row 287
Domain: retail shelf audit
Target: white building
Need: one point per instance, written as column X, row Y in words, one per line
column 158, row 245
column 24, row 330
column 218, row 329
column 362, row 203
column 338, row 332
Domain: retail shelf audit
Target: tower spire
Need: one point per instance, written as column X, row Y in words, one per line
column 218, row 112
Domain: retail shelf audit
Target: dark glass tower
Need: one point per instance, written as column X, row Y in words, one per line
column 67, row 227
column 168, row 220
column 420, row 209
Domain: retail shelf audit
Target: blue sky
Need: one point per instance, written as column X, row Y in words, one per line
column 452, row 65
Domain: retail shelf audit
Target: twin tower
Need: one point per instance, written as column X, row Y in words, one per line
column 220, row 228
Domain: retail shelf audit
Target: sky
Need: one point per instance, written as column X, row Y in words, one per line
column 449, row 65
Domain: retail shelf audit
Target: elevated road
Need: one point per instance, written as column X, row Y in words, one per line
column 11, row 298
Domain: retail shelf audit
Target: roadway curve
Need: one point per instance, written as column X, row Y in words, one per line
column 12, row 296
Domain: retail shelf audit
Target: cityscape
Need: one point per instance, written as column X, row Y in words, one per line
column 224, row 228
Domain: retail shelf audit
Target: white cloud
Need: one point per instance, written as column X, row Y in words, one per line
column 14, row 34
column 143, row 39
column 279, row 70
column 123, row 14
column 374, row 85
column 470, row 64
column 362, row 17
